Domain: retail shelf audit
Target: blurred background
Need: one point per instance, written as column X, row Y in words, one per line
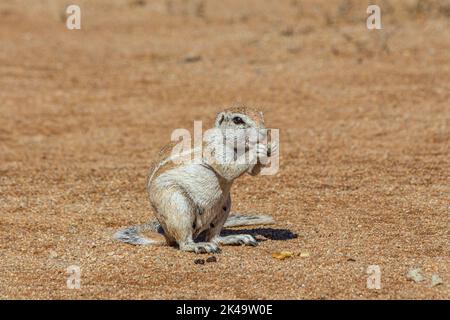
column 364, row 125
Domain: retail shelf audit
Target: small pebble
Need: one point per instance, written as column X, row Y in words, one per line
column 199, row 261
column 282, row 255
column 436, row 280
column 415, row 275
column 191, row 59
column 304, row 254
column 211, row 259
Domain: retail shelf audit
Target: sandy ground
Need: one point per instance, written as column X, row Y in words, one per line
column 364, row 122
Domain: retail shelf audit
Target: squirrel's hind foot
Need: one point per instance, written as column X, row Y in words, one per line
column 200, row 247
column 237, row 239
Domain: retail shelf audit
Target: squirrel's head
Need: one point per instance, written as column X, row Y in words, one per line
column 240, row 118
column 241, row 129
column 242, row 125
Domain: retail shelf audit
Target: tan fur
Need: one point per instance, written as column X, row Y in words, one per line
column 193, row 199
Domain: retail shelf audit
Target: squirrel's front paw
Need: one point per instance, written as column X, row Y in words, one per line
column 272, row 149
column 261, row 153
column 264, row 152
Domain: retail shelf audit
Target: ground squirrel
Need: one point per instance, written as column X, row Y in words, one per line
column 191, row 200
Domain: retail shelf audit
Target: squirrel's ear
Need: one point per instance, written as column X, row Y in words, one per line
column 219, row 119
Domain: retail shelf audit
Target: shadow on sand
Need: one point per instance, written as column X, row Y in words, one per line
column 269, row 233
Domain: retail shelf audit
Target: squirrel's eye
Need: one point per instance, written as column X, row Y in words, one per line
column 238, row 120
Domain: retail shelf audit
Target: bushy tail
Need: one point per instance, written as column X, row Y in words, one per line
column 132, row 235
column 238, row 220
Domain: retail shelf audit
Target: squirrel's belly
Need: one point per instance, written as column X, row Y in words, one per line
column 206, row 190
